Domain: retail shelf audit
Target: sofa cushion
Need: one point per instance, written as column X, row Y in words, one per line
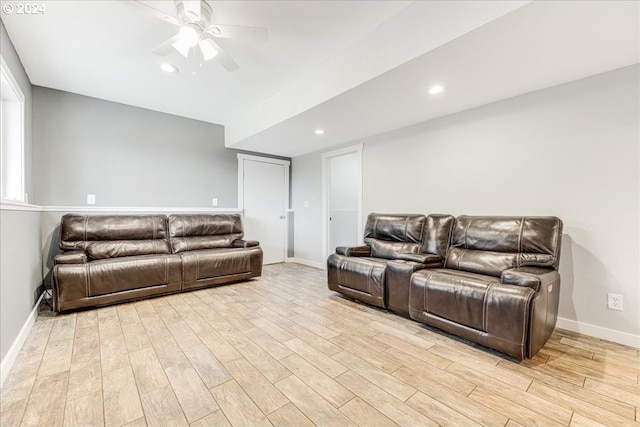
column 362, row 278
column 123, row 248
column 390, row 234
column 456, row 295
column 437, row 234
column 211, row 266
column 481, row 262
column 490, row 245
column 80, row 231
column 212, row 263
column 109, row 276
column 197, row 232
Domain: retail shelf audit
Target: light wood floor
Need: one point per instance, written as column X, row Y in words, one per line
column 283, row 350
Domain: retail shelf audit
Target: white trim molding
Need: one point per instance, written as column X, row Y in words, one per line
column 306, row 262
column 135, row 209
column 9, row 205
column 14, row 350
column 599, row 332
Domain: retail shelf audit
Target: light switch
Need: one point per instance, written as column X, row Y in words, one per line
column 214, row 202
column 306, row 204
column 91, row 199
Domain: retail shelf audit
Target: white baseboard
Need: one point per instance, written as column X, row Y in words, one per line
column 599, row 332
column 13, row 352
column 307, row 262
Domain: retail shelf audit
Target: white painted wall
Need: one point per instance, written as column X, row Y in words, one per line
column 570, row 151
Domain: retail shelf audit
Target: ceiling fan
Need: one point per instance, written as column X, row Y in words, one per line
column 198, row 32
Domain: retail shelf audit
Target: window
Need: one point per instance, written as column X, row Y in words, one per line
column 12, row 136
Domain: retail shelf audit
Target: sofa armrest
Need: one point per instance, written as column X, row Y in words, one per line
column 532, row 277
column 239, row 243
column 70, row 257
column 354, row 250
column 420, row 258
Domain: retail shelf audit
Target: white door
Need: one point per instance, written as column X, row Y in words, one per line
column 342, row 198
column 264, row 201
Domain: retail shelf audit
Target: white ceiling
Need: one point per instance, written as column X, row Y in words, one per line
column 354, row 68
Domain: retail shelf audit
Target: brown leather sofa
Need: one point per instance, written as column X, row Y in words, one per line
column 113, row 258
column 498, row 284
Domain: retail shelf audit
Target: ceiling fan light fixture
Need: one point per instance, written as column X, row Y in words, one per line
column 188, row 36
column 209, row 51
column 182, row 47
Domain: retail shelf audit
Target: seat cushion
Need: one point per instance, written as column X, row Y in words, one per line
column 201, row 266
column 456, row 295
column 362, row 278
column 116, row 275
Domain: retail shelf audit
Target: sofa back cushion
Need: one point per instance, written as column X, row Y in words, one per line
column 490, row 245
column 195, row 232
column 111, row 236
column 437, row 234
column 390, row 234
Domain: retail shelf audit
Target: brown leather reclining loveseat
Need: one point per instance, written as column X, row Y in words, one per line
column 114, row 258
column 498, row 284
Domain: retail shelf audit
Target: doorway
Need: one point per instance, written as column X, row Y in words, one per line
column 263, row 197
column 342, row 198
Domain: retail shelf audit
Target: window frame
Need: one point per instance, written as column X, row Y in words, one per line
column 17, row 91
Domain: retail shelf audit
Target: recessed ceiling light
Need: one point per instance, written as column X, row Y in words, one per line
column 434, row 90
column 168, row 68
column 319, row 132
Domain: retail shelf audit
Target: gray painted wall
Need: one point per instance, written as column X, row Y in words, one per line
column 570, row 151
column 126, row 156
column 20, row 274
column 306, row 186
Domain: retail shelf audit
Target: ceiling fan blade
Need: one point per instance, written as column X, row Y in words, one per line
column 238, row 32
column 192, row 8
column 227, row 62
column 166, row 47
column 152, row 10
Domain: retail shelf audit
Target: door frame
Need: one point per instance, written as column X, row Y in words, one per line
column 285, row 208
column 326, row 157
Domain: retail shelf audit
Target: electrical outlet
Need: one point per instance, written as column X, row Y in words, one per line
column 91, row 199
column 615, row 302
column 214, row 202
